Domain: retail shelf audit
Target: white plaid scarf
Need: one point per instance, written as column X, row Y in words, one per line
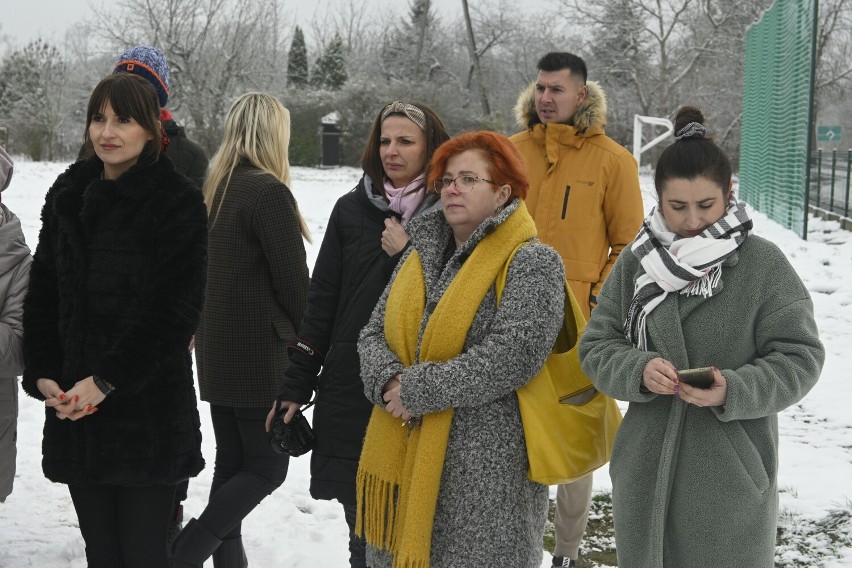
column 691, row 266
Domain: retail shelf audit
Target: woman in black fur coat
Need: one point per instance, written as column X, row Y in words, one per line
column 116, row 289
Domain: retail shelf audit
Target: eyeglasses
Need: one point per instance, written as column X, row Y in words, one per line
column 413, row 113
column 464, row 183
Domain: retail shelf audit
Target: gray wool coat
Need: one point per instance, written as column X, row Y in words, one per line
column 15, row 261
column 487, row 508
column 696, row 487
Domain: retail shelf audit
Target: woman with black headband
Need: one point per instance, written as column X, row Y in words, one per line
column 364, row 240
column 709, row 333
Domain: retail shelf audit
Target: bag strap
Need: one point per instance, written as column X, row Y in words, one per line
column 500, row 281
column 573, row 324
column 576, row 312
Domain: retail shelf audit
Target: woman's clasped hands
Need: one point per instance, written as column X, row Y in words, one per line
column 660, row 376
column 393, row 402
column 79, row 401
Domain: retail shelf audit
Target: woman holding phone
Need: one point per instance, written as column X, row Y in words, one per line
column 694, row 470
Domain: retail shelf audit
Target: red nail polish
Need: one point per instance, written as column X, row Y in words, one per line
column 76, row 398
column 62, row 396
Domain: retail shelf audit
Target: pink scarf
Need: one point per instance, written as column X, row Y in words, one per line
column 406, row 200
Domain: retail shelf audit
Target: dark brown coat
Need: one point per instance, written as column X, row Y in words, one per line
column 257, row 288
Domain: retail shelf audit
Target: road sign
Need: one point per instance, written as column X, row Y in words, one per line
column 829, row 133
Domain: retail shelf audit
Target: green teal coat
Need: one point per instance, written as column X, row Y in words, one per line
column 697, row 487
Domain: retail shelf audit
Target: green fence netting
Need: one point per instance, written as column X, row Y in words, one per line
column 777, row 111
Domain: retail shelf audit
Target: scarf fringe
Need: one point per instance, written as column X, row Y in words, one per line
column 704, row 286
column 409, row 562
column 377, row 504
column 641, row 331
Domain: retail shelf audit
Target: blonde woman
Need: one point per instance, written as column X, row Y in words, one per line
column 256, row 295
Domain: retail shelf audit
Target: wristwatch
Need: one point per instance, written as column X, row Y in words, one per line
column 105, row 387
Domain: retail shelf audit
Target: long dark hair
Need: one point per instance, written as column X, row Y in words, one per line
column 131, row 96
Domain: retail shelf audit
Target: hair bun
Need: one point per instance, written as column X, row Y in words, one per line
column 689, row 123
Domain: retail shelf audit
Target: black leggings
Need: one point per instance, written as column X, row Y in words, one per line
column 357, row 546
column 124, row 527
column 247, row 470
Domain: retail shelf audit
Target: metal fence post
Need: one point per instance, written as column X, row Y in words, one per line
column 819, row 175
column 848, row 171
column 833, row 166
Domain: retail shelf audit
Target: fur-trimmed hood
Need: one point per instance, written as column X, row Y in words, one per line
column 591, row 113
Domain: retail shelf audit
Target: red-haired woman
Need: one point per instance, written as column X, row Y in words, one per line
column 442, row 358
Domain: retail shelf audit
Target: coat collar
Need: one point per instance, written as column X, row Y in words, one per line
column 432, row 237
column 589, row 120
column 72, row 198
column 379, row 204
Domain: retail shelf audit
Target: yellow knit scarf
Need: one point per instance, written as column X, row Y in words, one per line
column 399, row 474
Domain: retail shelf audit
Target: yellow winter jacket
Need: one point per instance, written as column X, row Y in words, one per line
column 584, row 190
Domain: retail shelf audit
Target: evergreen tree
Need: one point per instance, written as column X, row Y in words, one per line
column 330, row 68
column 297, row 65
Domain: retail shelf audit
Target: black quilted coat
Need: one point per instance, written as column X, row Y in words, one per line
column 349, row 276
column 116, row 289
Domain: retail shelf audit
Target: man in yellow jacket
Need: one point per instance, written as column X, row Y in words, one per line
column 584, row 196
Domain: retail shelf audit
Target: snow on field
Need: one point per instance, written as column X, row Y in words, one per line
column 38, row 523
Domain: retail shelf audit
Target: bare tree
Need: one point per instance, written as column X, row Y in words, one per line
column 474, row 59
column 32, row 84
column 662, row 28
column 352, row 20
column 422, row 26
column 834, row 45
column 215, row 48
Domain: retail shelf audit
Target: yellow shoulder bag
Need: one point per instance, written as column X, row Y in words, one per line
column 569, row 426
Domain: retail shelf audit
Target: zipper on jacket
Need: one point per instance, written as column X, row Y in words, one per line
column 565, row 201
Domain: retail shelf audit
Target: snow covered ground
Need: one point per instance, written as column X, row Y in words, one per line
column 38, row 523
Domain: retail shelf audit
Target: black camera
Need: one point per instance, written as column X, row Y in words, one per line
column 294, row 439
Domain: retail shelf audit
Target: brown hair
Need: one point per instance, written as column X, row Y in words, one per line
column 371, row 161
column 693, row 154
column 130, row 96
column 505, row 163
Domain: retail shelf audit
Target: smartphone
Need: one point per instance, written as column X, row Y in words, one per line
column 701, row 378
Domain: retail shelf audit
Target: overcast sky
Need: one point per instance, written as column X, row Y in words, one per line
column 24, row 20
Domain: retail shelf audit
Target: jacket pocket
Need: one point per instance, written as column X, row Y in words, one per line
column 580, row 203
column 284, row 329
column 747, row 453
